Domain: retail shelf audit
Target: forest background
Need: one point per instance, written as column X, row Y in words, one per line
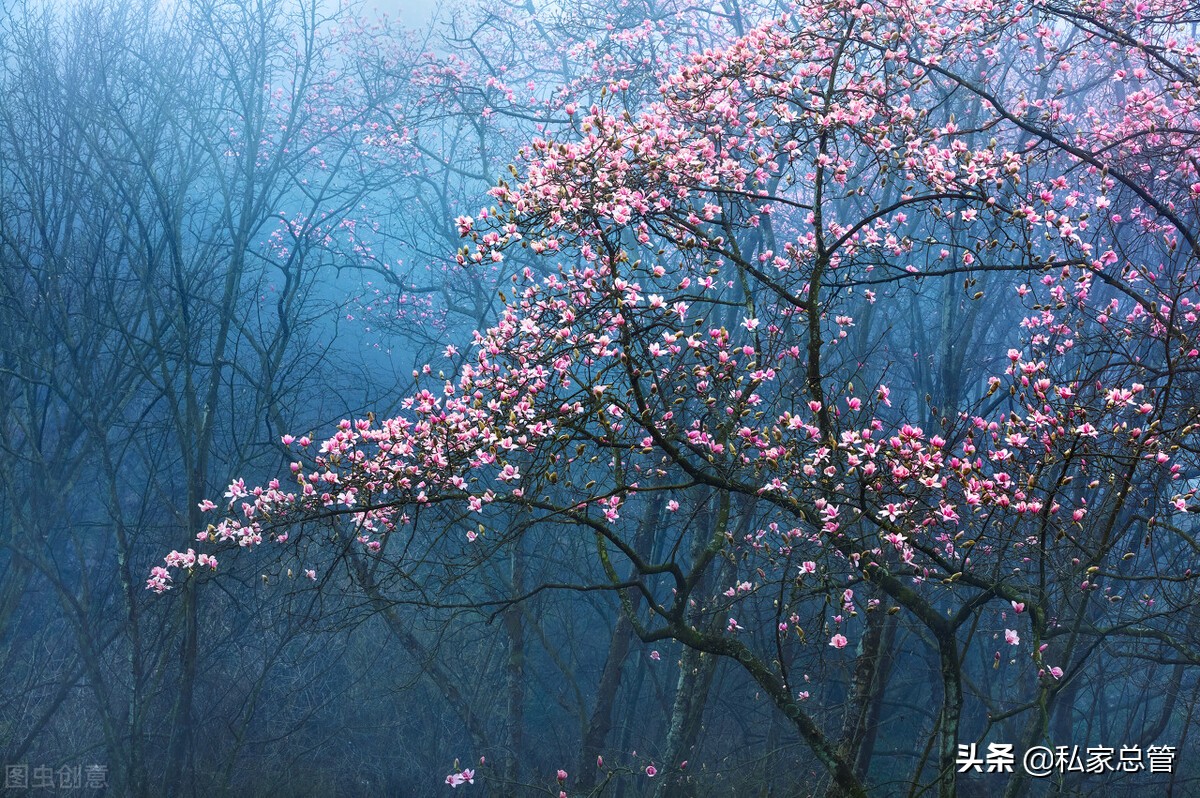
column 647, row 398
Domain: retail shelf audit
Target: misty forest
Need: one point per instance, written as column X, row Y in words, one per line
column 626, row 398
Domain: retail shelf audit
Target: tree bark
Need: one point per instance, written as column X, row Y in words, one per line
column 601, row 720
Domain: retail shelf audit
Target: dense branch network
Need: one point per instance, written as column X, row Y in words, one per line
column 711, row 257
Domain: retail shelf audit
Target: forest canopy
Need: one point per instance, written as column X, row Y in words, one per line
column 796, row 399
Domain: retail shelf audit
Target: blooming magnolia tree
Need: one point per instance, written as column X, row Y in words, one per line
column 700, row 382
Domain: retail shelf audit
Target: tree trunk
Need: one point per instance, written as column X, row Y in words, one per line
column 952, row 702
column 859, row 726
column 515, row 674
column 696, row 670
column 181, row 718
column 600, row 722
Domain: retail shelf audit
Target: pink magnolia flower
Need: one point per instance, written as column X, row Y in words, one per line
column 1011, row 637
column 838, row 641
column 651, row 771
column 462, row 777
column 159, row 580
